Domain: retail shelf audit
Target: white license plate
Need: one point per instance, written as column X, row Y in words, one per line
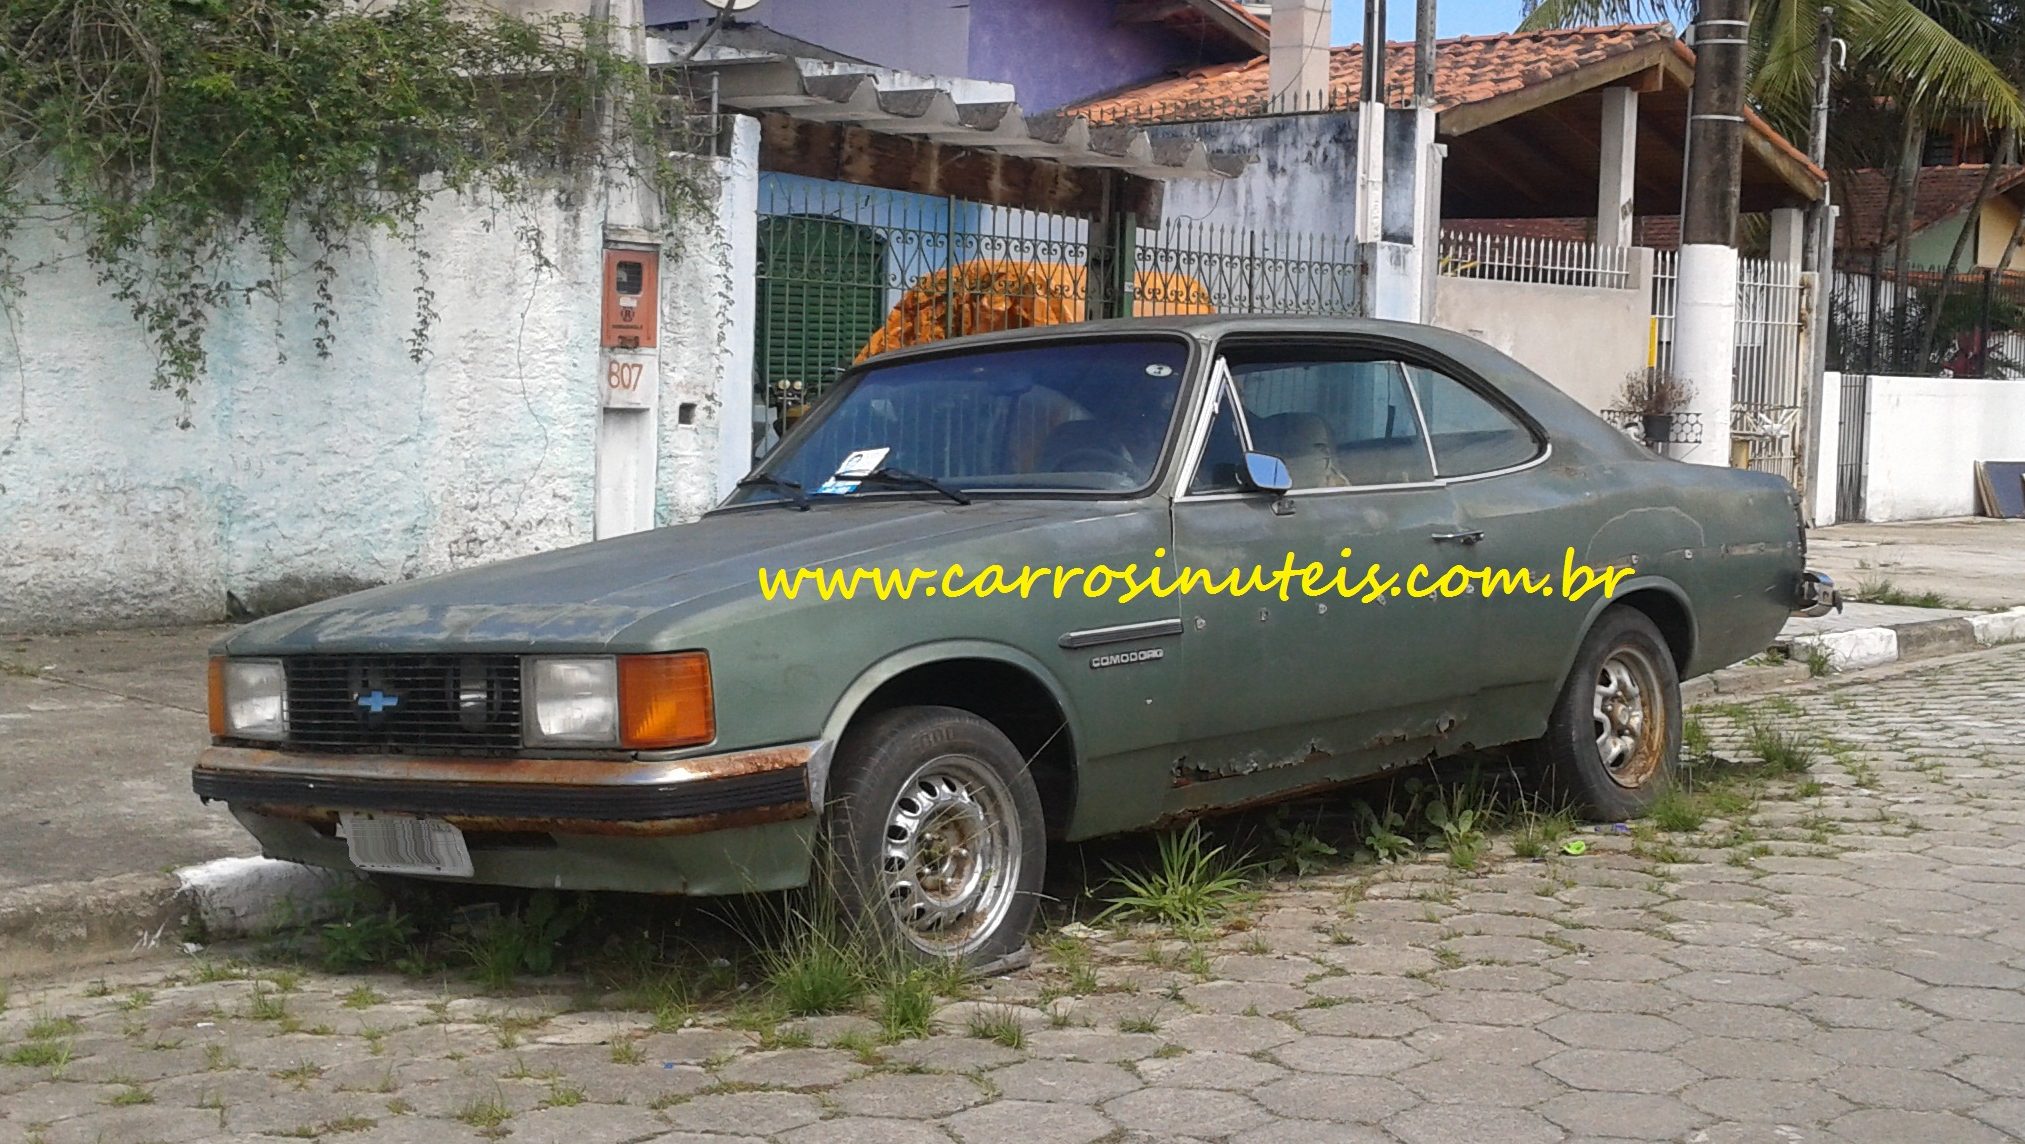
column 396, row 844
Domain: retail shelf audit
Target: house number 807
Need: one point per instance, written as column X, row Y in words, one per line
column 623, row 375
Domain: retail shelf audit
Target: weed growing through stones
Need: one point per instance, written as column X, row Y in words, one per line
column 1192, row 885
column 816, row 969
column 1819, row 662
column 1458, row 818
column 1296, row 849
column 1384, row 832
column 1695, row 743
column 1677, row 811
column 906, row 1006
column 485, row 1113
column 1784, row 752
column 1074, row 956
column 527, row 940
column 1539, row 833
column 39, row 1054
column 627, row 1053
column 130, row 1094
column 1000, row 1025
column 362, row 997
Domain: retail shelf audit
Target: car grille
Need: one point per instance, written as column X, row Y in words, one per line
column 441, row 704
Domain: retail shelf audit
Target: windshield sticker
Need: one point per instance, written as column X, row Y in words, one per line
column 1158, row 369
column 860, row 463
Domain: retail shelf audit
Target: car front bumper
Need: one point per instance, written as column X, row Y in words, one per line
column 726, row 823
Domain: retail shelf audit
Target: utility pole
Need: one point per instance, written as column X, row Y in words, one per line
column 1705, row 323
column 1818, row 258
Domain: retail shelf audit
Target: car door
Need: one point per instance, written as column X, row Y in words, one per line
column 1520, row 515
column 1272, row 681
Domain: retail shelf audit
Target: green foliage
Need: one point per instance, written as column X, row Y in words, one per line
column 1539, row 833
column 1296, row 848
column 1784, row 753
column 365, row 935
column 1677, row 810
column 1192, row 885
column 1458, row 818
column 1385, row 832
column 906, row 1005
column 814, row 970
column 171, row 134
column 529, row 940
column 998, row 1023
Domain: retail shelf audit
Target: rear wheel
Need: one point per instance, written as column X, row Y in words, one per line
column 936, row 841
column 1613, row 740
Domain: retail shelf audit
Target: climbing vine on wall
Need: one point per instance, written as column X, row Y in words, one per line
column 167, row 135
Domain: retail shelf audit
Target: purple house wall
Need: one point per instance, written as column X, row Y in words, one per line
column 1053, row 52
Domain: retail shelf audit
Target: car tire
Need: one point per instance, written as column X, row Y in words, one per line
column 936, row 844
column 1613, row 739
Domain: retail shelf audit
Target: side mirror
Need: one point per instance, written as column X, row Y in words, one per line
column 1265, row 473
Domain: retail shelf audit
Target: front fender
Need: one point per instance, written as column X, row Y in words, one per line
column 907, row 659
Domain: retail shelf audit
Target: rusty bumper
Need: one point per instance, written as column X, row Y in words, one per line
column 559, row 796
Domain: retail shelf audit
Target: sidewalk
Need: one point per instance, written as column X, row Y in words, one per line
column 1974, row 562
column 97, row 733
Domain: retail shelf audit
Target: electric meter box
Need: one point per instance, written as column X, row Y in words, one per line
column 632, row 298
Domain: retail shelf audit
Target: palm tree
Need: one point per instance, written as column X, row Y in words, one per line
column 1913, row 48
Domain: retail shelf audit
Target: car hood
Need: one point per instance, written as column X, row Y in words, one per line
column 583, row 597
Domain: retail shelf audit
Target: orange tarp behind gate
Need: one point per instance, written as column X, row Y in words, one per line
column 997, row 294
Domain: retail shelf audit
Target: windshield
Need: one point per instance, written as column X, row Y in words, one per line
column 1075, row 416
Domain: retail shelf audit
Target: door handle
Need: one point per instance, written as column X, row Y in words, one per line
column 1467, row 536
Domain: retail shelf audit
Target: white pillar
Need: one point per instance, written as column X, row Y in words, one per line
column 1618, row 164
column 738, row 214
column 1789, row 235
column 1297, row 60
column 1368, row 225
column 1705, row 343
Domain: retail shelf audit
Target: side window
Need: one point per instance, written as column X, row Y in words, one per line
column 1337, row 424
column 1223, row 454
column 1469, row 433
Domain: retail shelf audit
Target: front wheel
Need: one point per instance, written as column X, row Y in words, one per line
column 936, row 844
column 1613, row 740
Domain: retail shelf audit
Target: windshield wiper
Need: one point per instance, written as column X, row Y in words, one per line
column 767, row 480
column 887, row 475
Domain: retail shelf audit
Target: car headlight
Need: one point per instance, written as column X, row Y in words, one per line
column 639, row 702
column 249, row 698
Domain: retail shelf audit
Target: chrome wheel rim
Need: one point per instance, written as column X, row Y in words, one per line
column 951, row 856
column 1630, row 717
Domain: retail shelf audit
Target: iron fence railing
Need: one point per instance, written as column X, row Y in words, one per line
column 1767, row 388
column 1926, row 322
column 847, row 272
column 1524, row 258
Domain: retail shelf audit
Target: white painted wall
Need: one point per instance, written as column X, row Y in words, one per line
column 1926, row 435
column 1583, row 339
column 298, row 478
column 1827, row 448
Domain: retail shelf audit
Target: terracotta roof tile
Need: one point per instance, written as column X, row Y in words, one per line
column 1472, row 69
column 1943, row 193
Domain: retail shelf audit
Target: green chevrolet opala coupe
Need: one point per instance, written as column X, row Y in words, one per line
column 700, row 710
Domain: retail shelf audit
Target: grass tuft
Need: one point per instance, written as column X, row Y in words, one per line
column 999, row 1024
column 1192, row 885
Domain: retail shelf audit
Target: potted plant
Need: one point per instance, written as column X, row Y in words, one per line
column 1655, row 394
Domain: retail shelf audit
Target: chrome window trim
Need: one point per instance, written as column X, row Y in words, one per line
column 1419, row 417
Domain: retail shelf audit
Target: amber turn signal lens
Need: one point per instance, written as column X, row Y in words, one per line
column 665, row 701
column 216, row 686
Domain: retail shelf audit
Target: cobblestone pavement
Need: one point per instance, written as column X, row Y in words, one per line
column 1845, row 962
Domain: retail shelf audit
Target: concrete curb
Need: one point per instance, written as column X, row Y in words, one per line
column 1859, row 648
column 66, row 924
